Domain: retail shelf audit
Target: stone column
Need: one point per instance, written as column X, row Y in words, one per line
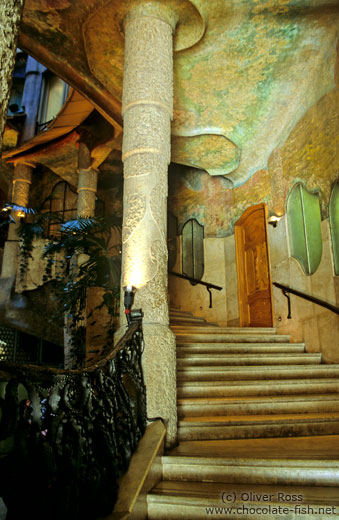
column 147, row 112
column 20, row 193
column 30, row 99
column 87, row 188
column 87, row 183
column 10, row 16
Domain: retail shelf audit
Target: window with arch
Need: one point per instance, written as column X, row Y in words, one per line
column 62, row 201
column 304, row 230
column 193, row 249
column 334, row 225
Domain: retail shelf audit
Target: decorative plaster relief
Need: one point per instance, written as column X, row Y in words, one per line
column 134, row 212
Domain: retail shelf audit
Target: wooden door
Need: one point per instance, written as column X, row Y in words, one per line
column 254, row 279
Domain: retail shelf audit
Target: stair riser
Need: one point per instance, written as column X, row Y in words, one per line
column 188, row 319
column 253, row 475
column 184, row 349
column 263, row 372
column 255, row 431
column 172, row 511
column 262, row 390
column 187, row 410
column 229, row 338
column 256, row 390
column 234, row 331
column 247, row 360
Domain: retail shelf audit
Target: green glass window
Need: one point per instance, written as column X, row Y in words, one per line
column 193, row 249
column 304, row 232
column 334, row 224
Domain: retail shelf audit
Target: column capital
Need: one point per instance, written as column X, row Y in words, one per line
column 186, row 17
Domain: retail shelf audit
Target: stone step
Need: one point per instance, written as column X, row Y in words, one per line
column 255, row 372
column 224, row 337
column 247, row 331
column 286, row 461
column 223, row 360
column 242, row 348
column 255, row 426
column 188, row 319
column 179, row 312
column 171, row 500
column 257, row 388
column 258, row 405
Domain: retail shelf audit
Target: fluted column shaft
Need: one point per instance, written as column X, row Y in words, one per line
column 147, row 112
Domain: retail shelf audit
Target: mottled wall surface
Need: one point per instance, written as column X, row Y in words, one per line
column 310, row 155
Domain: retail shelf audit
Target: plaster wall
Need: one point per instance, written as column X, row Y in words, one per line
column 195, row 299
column 310, row 323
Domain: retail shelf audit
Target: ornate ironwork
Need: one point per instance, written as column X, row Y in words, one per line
column 67, row 436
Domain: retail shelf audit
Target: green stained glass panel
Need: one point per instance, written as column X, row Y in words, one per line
column 334, row 223
column 193, row 249
column 304, row 231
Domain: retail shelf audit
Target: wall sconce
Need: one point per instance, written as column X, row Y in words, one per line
column 273, row 220
column 135, row 314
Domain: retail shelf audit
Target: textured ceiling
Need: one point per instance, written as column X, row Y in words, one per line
column 248, row 71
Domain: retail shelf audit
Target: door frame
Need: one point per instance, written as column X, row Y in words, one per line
column 240, row 258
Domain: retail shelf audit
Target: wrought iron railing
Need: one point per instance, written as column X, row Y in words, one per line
column 285, row 290
column 195, row 281
column 67, row 436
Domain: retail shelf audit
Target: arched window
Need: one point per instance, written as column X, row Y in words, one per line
column 193, row 249
column 63, row 201
column 304, row 232
column 334, row 224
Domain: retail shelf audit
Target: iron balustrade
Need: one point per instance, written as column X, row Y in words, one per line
column 66, row 437
column 285, row 290
column 194, row 281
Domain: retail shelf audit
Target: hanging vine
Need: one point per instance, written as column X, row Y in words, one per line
column 71, row 279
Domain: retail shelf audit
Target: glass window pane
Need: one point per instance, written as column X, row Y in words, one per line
column 304, row 231
column 334, row 223
column 193, row 249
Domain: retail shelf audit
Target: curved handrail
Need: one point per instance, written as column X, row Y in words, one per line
column 285, row 289
column 76, row 428
column 194, row 281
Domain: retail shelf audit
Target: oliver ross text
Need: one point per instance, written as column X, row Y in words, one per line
column 251, row 496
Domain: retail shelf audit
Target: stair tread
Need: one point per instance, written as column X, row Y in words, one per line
column 322, row 448
column 259, row 367
column 199, row 337
column 258, row 399
column 262, row 418
column 258, row 356
column 219, row 346
column 252, row 382
column 239, row 330
column 201, row 490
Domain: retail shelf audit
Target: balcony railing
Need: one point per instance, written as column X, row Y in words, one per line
column 66, row 437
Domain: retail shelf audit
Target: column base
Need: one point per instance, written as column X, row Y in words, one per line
column 159, row 367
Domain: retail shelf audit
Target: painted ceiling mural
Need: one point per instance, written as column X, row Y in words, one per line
column 245, row 71
column 310, row 155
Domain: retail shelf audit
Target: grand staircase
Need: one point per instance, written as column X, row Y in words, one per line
column 258, row 428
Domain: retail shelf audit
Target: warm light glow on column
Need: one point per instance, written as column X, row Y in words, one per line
column 147, row 111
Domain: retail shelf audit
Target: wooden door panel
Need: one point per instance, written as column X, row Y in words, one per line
column 254, row 280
